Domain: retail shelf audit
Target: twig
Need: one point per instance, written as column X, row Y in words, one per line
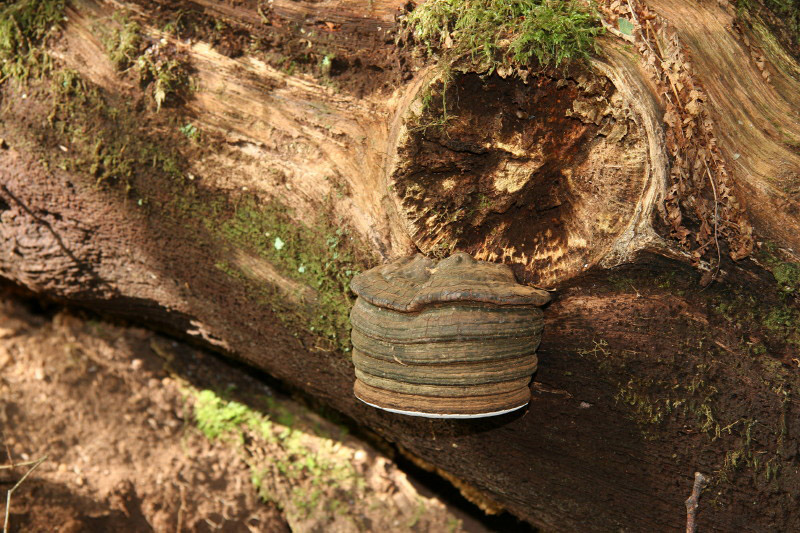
column 700, row 482
column 7, row 467
column 716, row 208
column 12, row 489
column 635, row 290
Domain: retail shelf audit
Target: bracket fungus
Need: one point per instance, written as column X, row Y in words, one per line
column 453, row 339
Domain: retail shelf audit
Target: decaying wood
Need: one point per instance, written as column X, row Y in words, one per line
column 613, row 183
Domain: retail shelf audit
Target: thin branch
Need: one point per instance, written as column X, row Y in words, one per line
column 692, row 503
column 8, row 467
column 716, row 219
column 12, row 489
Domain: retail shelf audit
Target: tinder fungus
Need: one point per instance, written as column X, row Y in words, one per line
column 453, row 339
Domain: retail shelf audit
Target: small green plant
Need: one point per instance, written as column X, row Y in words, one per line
column 190, row 130
column 24, row 26
column 159, row 65
column 176, row 25
column 326, row 63
column 507, row 32
column 437, row 111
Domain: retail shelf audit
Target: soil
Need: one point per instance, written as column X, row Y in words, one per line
column 111, row 409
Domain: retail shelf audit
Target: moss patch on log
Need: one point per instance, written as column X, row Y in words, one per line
column 123, row 43
column 501, row 33
column 323, row 257
column 743, row 442
column 102, row 137
column 163, row 71
column 724, row 382
column 24, row 26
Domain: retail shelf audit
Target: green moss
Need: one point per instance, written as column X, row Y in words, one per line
column 508, row 32
column 779, row 318
column 190, row 131
column 758, row 349
column 24, row 26
column 785, row 321
column 124, row 43
column 787, row 273
column 216, row 417
column 321, row 257
column 313, row 467
column 159, row 65
column 746, row 434
column 319, row 260
column 652, row 401
column 104, row 141
column 788, row 276
column 168, row 74
column 177, row 25
column 744, row 311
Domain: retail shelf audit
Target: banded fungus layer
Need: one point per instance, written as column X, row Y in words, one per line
column 453, row 339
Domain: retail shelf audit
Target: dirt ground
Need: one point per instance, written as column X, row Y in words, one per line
column 141, row 433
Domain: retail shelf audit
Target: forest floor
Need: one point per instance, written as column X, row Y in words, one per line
column 137, row 436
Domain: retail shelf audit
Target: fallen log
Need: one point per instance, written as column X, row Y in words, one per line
column 222, row 169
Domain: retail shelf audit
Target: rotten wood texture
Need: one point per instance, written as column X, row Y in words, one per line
column 612, row 182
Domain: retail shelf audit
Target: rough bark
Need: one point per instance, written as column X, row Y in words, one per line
column 656, row 190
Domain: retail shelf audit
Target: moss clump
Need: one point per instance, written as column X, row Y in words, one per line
column 167, row 71
column 124, row 43
column 508, row 32
column 24, row 25
column 786, row 273
column 159, row 65
column 784, row 321
column 216, row 417
column 788, row 276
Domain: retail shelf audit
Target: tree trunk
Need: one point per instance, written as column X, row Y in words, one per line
column 221, row 169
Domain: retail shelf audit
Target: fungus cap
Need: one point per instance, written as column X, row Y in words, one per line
column 453, row 339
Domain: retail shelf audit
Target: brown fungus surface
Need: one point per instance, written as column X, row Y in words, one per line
column 454, row 338
column 521, row 172
column 409, row 284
